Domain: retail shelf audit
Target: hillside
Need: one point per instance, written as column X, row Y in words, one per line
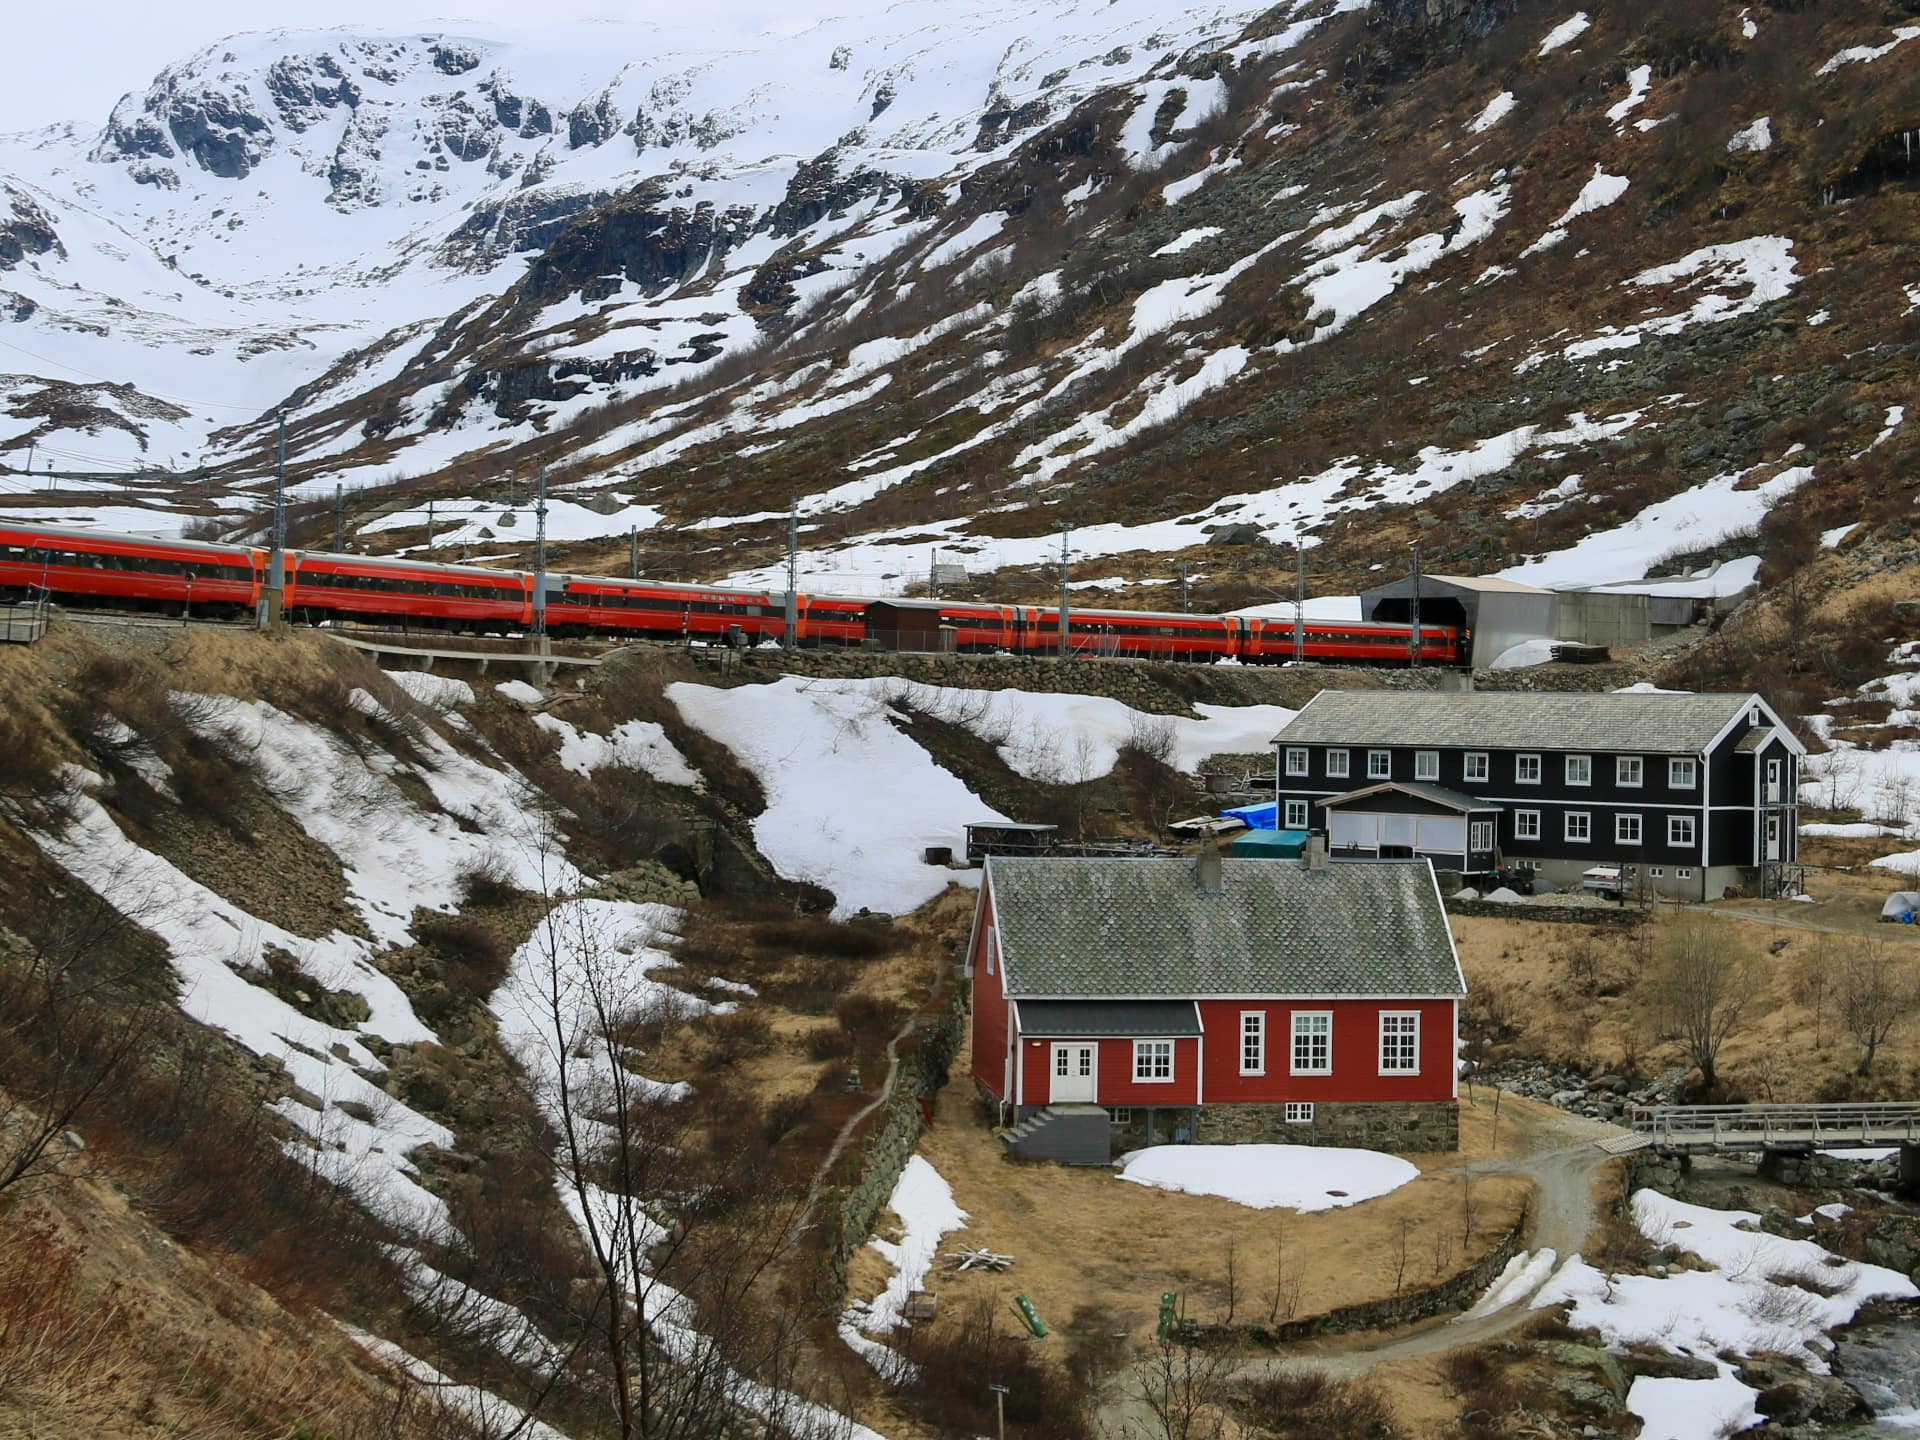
column 439, row 1010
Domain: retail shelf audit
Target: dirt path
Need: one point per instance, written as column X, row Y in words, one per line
column 1562, row 1158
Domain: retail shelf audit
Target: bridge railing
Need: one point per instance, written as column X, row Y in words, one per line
column 1734, row 1127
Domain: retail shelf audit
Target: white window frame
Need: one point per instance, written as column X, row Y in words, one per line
column 1299, row 1112
column 1585, row 837
column 1629, row 765
column 1523, row 763
column 1621, row 820
column 1426, row 764
column 993, row 944
column 1656, row 872
column 1677, row 823
column 1414, row 1032
column 1526, row 824
column 1121, row 1114
column 1379, row 764
column 1253, row 1042
column 1299, row 762
column 1297, row 1034
column 1683, row 872
column 1337, row 761
column 1683, row 772
column 1296, row 808
column 1586, row 770
column 1479, row 835
column 1476, row 766
column 1150, row 1052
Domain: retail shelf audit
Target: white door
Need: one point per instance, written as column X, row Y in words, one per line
column 1773, row 782
column 1076, row 1080
column 1773, row 837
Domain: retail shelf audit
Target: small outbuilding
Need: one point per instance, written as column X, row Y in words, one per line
column 1269, row 845
column 1008, row 837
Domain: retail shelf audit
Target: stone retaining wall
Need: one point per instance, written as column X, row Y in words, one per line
column 1549, row 914
column 890, row 1143
column 1450, row 1295
column 1161, row 687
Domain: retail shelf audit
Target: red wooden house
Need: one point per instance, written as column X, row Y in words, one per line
column 1120, row 1002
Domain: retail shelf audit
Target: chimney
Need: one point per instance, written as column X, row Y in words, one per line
column 1316, row 851
column 1206, row 867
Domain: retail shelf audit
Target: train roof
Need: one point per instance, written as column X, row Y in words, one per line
column 122, row 537
column 644, row 583
column 402, row 562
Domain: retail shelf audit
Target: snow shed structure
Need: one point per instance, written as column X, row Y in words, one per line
column 1499, row 613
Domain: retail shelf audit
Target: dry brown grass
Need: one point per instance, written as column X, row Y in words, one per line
column 1084, row 1240
column 1529, row 973
column 107, row 1331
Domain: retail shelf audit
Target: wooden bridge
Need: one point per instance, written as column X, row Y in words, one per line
column 1690, row 1129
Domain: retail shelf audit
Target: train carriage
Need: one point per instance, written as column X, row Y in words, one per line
column 138, row 572
column 326, row 587
column 1354, row 642
column 1134, row 634
column 586, row 604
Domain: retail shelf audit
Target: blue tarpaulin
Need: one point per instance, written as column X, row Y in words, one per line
column 1257, row 817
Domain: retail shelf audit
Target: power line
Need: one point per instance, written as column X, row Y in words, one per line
column 103, row 380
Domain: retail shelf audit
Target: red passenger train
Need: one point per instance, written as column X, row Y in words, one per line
column 99, row 567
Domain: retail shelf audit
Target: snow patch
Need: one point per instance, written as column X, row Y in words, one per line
column 1303, row 1178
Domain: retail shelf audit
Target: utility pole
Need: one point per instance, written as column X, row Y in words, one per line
column 277, row 565
column 1413, row 640
column 633, row 553
column 933, row 574
column 1184, row 591
column 1299, row 600
column 429, row 527
column 1066, row 529
column 339, row 517
column 32, row 445
column 540, row 565
column 790, row 637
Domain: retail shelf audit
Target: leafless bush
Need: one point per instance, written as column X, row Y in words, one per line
column 486, row 882
column 1875, row 992
column 1312, row 1405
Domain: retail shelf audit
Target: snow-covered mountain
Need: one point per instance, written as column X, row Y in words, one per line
column 1565, row 294
column 278, row 202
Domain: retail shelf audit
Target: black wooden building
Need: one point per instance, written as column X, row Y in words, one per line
column 1694, row 794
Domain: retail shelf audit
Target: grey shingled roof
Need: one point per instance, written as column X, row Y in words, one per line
column 1109, row 1017
column 1436, row 794
column 1515, row 720
column 1088, row 929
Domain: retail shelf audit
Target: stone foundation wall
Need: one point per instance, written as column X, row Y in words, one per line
column 1399, row 1126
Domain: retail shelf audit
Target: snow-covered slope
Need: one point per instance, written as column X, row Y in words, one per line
column 279, row 201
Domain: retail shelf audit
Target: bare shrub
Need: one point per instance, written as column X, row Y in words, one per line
column 1875, row 993
column 486, row 882
column 476, row 960
column 829, row 1042
column 1697, row 991
column 742, row 1035
column 1312, row 1405
column 957, row 1360
column 816, row 935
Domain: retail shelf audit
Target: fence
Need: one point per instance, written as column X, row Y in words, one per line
column 22, row 624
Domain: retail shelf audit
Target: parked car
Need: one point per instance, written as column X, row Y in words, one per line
column 1605, row 881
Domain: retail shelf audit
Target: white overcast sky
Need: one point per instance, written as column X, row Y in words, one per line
column 73, row 60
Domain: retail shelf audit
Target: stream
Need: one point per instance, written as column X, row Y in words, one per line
column 1880, row 1357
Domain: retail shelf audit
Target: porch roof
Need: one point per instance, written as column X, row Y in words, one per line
column 1107, row 1019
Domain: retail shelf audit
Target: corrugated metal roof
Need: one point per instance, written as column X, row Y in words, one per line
column 1515, row 720
column 1155, row 1018
column 1436, row 794
column 1141, row 928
